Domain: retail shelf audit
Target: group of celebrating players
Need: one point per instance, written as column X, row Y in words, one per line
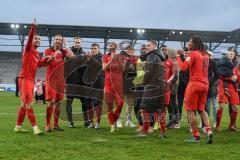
column 144, row 83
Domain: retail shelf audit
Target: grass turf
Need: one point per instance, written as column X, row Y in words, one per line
column 90, row 144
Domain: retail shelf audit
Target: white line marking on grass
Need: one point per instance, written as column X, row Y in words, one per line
column 100, row 140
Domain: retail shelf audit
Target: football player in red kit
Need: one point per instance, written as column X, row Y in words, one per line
column 113, row 65
column 197, row 88
column 30, row 61
column 233, row 99
column 55, row 80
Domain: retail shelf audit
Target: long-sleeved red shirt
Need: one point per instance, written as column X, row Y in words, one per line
column 55, row 69
column 31, row 59
column 197, row 63
column 113, row 75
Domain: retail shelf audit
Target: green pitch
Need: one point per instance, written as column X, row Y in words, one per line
column 90, row 144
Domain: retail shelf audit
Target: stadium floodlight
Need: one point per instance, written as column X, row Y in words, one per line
column 140, row 31
column 131, row 30
column 180, row 32
column 173, row 32
column 12, row 26
column 17, row 26
column 25, row 26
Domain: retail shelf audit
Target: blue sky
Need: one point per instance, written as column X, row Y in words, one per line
column 177, row 14
column 219, row 15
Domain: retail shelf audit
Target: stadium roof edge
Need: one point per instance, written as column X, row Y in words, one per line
column 121, row 32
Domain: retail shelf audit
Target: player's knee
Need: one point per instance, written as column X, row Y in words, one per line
column 200, row 112
column 234, row 108
column 29, row 105
column 51, row 103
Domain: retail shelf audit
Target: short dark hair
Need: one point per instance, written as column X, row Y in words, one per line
column 232, row 48
column 77, row 37
column 153, row 42
column 36, row 34
column 164, row 46
column 130, row 47
column 95, row 44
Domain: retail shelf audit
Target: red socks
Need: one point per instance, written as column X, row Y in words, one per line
column 99, row 113
column 49, row 111
column 233, row 119
column 117, row 112
column 219, row 116
column 208, row 129
column 195, row 134
column 21, row 115
column 146, row 121
column 163, row 122
column 110, row 117
column 56, row 115
column 31, row 116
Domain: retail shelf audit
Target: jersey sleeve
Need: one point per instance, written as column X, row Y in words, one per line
column 104, row 59
column 46, row 53
column 183, row 66
column 42, row 62
column 30, row 38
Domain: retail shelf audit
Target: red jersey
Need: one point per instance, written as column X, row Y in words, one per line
column 169, row 70
column 113, row 75
column 55, row 70
column 132, row 59
column 237, row 73
column 31, row 59
column 197, row 63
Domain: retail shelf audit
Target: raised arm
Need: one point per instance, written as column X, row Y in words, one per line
column 31, row 35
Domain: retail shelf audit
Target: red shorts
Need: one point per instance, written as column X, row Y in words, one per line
column 195, row 96
column 112, row 93
column 222, row 98
column 167, row 98
column 54, row 90
column 26, row 88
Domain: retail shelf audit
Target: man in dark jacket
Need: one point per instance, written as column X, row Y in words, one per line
column 96, row 81
column 154, row 88
column 74, row 70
